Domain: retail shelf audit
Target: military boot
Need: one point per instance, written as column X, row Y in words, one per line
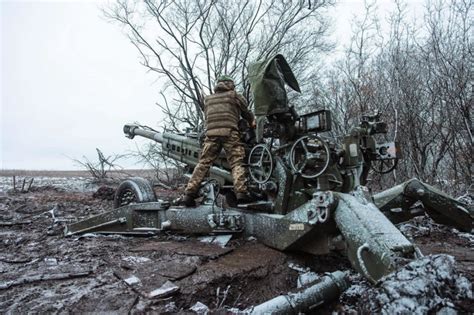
column 189, row 200
column 243, row 198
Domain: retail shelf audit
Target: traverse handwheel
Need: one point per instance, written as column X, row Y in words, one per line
column 309, row 156
column 260, row 163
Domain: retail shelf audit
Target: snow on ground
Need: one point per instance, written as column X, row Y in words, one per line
column 428, row 285
column 81, row 184
column 436, row 283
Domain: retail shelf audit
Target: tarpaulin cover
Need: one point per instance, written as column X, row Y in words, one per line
column 267, row 80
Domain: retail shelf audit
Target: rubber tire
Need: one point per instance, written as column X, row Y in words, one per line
column 139, row 186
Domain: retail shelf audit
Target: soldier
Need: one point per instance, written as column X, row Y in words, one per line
column 222, row 111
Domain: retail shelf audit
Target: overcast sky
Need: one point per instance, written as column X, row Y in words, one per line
column 70, row 80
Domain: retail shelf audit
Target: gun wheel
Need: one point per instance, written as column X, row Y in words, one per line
column 309, row 156
column 260, row 164
column 133, row 190
column 383, row 166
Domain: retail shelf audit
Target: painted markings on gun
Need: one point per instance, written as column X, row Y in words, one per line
column 297, row 227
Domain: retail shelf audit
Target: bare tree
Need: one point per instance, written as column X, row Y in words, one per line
column 348, row 86
column 168, row 173
column 421, row 79
column 188, row 43
column 99, row 170
column 449, row 55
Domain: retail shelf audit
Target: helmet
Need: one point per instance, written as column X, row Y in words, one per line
column 224, row 78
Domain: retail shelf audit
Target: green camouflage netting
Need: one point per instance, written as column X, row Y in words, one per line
column 267, row 80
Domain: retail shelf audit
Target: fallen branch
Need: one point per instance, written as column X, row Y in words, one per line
column 15, row 261
column 226, row 292
column 20, row 207
column 162, row 185
column 15, row 223
column 42, row 277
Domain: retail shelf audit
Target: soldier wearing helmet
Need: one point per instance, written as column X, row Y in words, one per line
column 222, row 110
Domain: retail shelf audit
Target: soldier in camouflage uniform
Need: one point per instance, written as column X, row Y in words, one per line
column 222, row 111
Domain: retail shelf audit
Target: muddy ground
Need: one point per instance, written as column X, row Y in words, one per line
column 41, row 271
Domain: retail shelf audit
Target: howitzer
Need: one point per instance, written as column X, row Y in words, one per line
column 308, row 187
column 295, row 212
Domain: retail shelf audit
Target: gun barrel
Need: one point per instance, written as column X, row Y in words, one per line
column 132, row 130
column 329, row 288
column 178, row 147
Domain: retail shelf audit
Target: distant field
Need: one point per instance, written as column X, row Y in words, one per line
column 70, row 180
column 75, row 173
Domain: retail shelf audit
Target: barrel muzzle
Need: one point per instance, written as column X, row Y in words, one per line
column 129, row 130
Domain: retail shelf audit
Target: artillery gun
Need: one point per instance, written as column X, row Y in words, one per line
column 308, row 187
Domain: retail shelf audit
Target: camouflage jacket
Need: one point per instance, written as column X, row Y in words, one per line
column 223, row 111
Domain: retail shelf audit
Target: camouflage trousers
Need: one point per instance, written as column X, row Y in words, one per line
column 235, row 154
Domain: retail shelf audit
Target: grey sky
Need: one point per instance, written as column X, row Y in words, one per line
column 70, row 80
